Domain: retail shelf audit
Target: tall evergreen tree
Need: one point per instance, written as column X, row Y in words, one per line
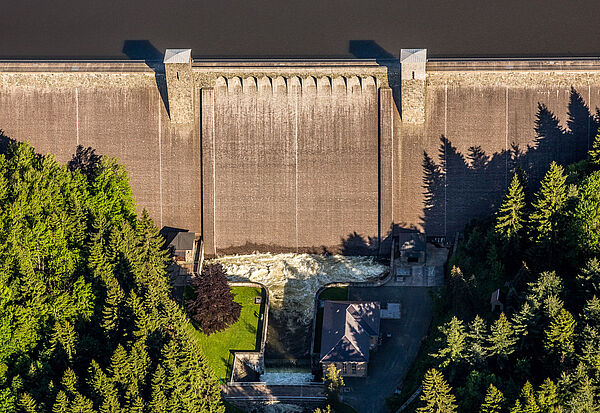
column 436, row 396
column 548, row 207
column 493, row 401
column 510, row 218
column 589, row 278
column 586, row 216
column 547, row 397
column 502, row 340
column 477, row 335
column 594, row 152
column 453, row 344
column 560, row 335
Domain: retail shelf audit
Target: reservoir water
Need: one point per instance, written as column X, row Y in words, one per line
column 79, row 28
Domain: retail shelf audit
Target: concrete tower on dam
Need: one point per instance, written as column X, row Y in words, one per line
column 309, row 155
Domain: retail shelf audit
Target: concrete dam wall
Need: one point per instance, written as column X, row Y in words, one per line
column 309, row 155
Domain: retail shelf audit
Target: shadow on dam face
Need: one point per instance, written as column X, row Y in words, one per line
column 484, row 177
column 145, row 50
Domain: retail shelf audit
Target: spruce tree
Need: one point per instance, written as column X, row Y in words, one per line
column 585, row 398
column 510, row 218
column 586, row 217
column 594, row 152
column 589, row 278
column 560, row 335
column 547, row 397
column 591, row 312
column 28, row 404
column 436, row 396
column 548, row 207
column 529, row 401
column 501, row 341
column 493, row 401
column 61, row 404
column 453, row 344
column 477, row 335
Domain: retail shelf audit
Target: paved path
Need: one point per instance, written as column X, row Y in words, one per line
column 390, row 363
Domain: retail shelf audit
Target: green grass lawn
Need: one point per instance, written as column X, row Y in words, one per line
column 240, row 336
column 335, row 294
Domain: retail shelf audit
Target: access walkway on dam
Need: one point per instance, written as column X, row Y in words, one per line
column 263, row 392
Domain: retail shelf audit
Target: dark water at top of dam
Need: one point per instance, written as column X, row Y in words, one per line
column 307, row 28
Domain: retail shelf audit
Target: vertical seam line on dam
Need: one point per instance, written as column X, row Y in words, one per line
column 506, row 142
column 160, row 180
column 445, row 159
column 296, row 165
column 214, row 171
column 589, row 103
column 77, row 115
column 392, row 155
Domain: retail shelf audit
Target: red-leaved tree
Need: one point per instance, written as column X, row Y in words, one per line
column 213, row 308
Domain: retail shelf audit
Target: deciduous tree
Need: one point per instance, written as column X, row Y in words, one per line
column 213, row 308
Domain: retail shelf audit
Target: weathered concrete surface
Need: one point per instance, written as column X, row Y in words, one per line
column 119, row 114
column 298, row 155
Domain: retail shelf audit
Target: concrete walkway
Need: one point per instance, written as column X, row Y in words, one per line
column 390, row 363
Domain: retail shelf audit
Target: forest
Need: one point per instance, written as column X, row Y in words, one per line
column 534, row 345
column 86, row 319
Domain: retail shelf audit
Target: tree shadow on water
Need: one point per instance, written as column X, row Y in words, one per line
column 458, row 187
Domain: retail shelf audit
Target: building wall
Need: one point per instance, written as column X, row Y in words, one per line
column 345, row 369
column 305, row 155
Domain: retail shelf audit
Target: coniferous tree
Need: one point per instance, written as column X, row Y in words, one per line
column 453, row 344
column 493, row 401
column 586, row 216
column 477, row 336
column 594, row 152
column 436, row 396
column 510, row 218
column 548, row 207
column 585, row 398
column 560, row 335
column 61, row 404
column 547, row 397
column 589, row 278
column 501, row 341
column 528, row 398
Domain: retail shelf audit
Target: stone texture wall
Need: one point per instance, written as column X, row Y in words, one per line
column 309, row 155
column 180, row 87
column 290, row 164
column 481, row 114
column 119, row 113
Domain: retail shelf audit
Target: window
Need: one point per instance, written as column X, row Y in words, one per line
column 353, row 368
column 413, row 73
column 344, row 370
column 178, row 75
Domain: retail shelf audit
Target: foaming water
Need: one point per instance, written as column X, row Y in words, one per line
column 293, row 279
column 286, row 376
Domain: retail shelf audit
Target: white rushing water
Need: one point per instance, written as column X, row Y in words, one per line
column 286, row 376
column 293, row 279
